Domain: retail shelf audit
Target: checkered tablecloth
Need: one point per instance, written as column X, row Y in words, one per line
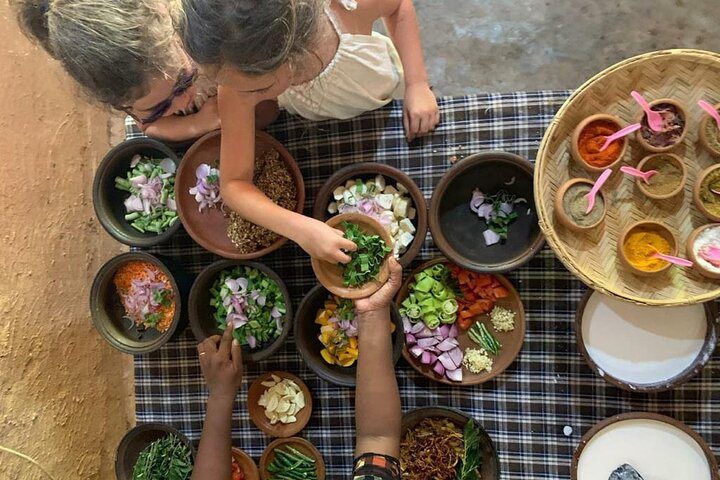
column 526, row 408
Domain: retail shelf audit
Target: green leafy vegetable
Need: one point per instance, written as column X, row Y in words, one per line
column 501, row 221
column 365, row 262
column 479, row 334
column 432, row 297
column 468, row 469
column 167, row 458
column 291, row 464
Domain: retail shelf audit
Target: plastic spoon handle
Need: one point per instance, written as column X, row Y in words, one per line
column 638, row 173
column 710, row 110
column 596, row 188
column 676, row 260
column 710, row 252
column 655, row 121
column 619, row 134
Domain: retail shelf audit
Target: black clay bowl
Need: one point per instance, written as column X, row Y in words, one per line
column 307, row 342
column 135, row 441
column 458, row 232
column 109, row 201
column 108, row 312
column 201, row 313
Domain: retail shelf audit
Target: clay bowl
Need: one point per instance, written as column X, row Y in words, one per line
column 642, row 119
column 247, row 464
column 330, row 275
column 650, row 163
column 299, row 444
column 108, row 312
column 393, row 176
column 690, row 252
column 655, row 227
column 617, row 421
column 457, row 231
column 209, row 227
column 490, row 469
column 201, row 313
column 307, row 342
column 575, row 151
column 257, row 413
column 696, row 193
column 108, row 201
column 704, row 136
column 136, row 440
column 564, row 218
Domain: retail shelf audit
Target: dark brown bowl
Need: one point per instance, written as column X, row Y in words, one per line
column 201, row 312
column 309, row 346
column 108, row 201
column 136, row 440
column 457, row 231
column 257, row 413
column 247, row 464
column 711, row 339
column 107, row 311
column 299, row 444
column 209, row 227
column 490, row 469
column 367, row 171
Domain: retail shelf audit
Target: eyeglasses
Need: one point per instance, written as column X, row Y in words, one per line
column 184, row 82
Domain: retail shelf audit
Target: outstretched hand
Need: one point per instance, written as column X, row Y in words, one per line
column 381, row 299
column 221, row 364
column 420, row 111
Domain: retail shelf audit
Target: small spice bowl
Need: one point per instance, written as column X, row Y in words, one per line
column 645, row 131
column 703, row 196
column 566, row 218
column 247, row 464
column 610, row 122
column 701, row 265
column 710, row 134
column 301, row 445
column 672, row 165
column 651, row 227
column 257, row 412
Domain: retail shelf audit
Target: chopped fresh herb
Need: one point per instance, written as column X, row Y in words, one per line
column 167, row 458
column 468, row 468
column 364, row 262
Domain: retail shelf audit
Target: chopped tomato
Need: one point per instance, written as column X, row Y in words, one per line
column 479, row 291
column 237, row 473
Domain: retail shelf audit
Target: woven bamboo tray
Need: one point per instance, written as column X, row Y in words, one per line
column 685, row 75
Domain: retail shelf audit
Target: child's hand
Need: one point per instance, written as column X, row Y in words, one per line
column 324, row 242
column 221, row 364
column 380, row 300
column 420, row 111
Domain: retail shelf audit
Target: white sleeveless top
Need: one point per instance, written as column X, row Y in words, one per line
column 365, row 74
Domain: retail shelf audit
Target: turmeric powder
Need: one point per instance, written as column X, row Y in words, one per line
column 641, row 245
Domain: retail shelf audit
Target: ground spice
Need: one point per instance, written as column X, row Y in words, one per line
column 592, row 138
column 712, row 134
column 139, row 270
column 641, row 245
column 274, row 179
column 668, row 177
column 672, row 130
column 711, row 200
column 575, row 204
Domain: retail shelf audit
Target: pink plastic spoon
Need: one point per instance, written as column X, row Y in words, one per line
column 638, row 173
column 676, row 260
column 711, row 253
column 654, row 119
column 619, row 134
column 710, row 110
column 596, row 188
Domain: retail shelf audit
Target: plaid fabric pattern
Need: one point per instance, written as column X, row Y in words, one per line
column 373, row 466
column 526, row 408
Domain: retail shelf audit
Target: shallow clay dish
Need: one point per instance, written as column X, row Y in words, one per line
column 247, row 464
column 576, row 137
column 490, row 469
column 696, row 193
column 655, row 227
column 690, row 252
column 136, row 440
column 330, row 275
column 299, row 444
column 209, row 227
column 642, row 119
column 648, row 163
column 564, row 218
column 257, row 413
column 458, row 232
column 703, row 133
column 511, row 341
column 368, row 171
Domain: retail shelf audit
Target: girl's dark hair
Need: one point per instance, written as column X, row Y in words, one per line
column 252, row 36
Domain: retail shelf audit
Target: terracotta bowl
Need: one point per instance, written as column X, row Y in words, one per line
column 209, row 227
column 703, row 134
column 563, row 216
column 367, row 171
column 575, row 151
column 655, row 227
column 330, row 275
column 201, row 313
column 257, row 413
column 135, row 441
column 247, row 464
column 299, row 444
column 108, row 201
column 696, row 193
column 648, row 162
column 307, row 343
column 689, row 251
column 641, row 119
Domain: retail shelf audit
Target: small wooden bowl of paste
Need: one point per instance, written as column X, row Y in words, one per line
column 640, row 241
column 699, row 240
column 670, row 179
column 675, row 128
column 710, row 134
column 571, row 204
column 589, row 136
column 705, row 199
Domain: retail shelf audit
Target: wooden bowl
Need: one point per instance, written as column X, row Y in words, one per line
column 135, row 441
column 247, row 464
column 201, row 313
column 257, row 413
column 575, row 151
column 704, row 136
column 490, row 468
column 209, row 227
column 564, row 218
column 642, row 119
column 330, row 275
column 647, row 164
column 367, row 171
column 656, row 227
column 618, row 421
column 457, row 231
column 690, row 251
column 299, row 444
column 696, row 193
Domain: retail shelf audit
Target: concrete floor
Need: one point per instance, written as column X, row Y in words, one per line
column 65, row 397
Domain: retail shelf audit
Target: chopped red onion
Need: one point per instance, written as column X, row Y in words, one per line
column 207, row 188
column 491, row 238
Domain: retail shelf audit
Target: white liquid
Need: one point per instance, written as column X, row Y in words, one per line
column 658, row 451
column 642, row 345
